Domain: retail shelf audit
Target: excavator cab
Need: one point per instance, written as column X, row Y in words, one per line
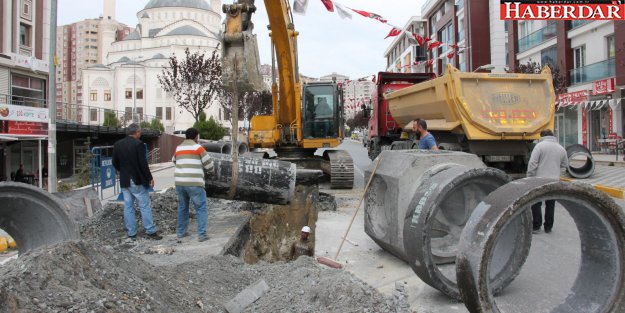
column 321, row 111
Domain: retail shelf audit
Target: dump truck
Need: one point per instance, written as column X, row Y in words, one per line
column 496, row 116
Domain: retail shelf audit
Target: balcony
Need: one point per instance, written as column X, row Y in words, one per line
column 578, row 23
column 534, row 39
column 23, row 101
column 593, row 72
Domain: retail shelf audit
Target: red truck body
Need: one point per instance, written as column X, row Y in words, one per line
column 383, row 129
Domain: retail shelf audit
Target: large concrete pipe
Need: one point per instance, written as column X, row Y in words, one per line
column 243, row 148
column 587, row 169
column 398, row 178
column 260, row 180
column 437, row 214
column 33, row 217
column 218, row 147
column 600, row 282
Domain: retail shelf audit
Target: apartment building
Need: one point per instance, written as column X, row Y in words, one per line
column 403, row 51
column 588, row 56
column 474, row 25
column 24, row 62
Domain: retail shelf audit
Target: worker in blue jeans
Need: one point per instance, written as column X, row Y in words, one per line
column 129, row 159
column 191, row 161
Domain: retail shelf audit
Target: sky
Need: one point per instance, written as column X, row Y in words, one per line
column 353, row 47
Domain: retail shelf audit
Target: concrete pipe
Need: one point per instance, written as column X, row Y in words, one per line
column 33, row 217
column 437, row 214
column 260, row 180
column 600, row 282
column 243, row 148
column 587, row 169
column 218, row 147
column 398, row 178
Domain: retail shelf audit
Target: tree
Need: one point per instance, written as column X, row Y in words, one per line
column 209, row 129
column 154, row 125
column 110, row 119
column 358, row 121
column 256, row 103
column 194, row 81
column 559, row 80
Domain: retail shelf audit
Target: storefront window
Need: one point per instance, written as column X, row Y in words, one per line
column 566, row 126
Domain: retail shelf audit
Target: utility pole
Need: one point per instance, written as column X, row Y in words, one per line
column 235, row 128
column 52, row 177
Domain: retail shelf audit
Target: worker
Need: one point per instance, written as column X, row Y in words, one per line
column 303, row 246
column 547, row 160
column 324, row 116
column 426, row 140
column 129, row 159
column 20, row 176
column 191, row 160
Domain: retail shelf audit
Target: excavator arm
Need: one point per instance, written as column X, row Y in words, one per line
column 240, row 53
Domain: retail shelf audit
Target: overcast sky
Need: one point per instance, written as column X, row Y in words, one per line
column 326, row 43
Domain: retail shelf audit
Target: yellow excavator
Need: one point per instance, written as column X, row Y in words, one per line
column 304, row 117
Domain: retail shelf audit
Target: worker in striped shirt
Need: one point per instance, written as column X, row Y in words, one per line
column 191, row 160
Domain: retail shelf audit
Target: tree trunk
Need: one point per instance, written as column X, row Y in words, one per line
column 235, row 130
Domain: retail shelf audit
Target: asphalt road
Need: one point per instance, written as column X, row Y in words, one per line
column 544, row 282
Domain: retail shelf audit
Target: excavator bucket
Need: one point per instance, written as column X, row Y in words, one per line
column 240, row 48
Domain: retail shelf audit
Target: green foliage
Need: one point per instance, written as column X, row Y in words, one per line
column 65, row 187
column 83, row 167
column 157, row 125
column 145, row 125
column 209, row 129
column 110, row 119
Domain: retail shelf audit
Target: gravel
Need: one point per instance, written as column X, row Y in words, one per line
column 83, row 277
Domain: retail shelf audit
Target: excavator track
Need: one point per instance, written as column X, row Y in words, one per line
column 340, row 166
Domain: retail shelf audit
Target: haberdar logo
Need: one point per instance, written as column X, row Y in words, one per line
column 563, row 10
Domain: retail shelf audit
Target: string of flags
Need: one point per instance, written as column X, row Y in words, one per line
column 300, row 7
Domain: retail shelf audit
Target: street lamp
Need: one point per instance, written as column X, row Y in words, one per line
column 486, row 67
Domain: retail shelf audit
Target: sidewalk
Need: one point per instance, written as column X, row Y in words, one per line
column 608, row 159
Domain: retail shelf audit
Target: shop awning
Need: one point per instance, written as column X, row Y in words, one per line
column 592, row 104
column 8, row 138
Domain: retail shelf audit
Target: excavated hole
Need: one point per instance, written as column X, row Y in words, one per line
column 271, row 231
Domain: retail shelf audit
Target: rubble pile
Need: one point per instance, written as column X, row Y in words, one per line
column 83, row 277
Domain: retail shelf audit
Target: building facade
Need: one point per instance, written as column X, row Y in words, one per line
column 473, row 25
column 585, row 56
column 128, row 80
column 81, row 45
column 24, row 68
column 403, row 52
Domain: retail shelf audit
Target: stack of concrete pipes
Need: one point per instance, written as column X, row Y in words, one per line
column 225, row 147
column 466, row 229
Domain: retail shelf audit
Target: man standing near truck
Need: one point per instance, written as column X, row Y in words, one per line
column 426, row 140
column 547, row 160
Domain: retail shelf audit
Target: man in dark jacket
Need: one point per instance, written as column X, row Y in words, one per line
column 129, row 158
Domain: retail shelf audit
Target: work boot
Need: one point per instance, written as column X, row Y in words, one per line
column 155, row 236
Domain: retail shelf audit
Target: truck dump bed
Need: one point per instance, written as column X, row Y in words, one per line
column 482, row 106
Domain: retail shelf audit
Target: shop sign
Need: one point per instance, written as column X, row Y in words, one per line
column 21, row 113
column 603, row 86
column 23, row 128
column 573, row 97
column 30, row 62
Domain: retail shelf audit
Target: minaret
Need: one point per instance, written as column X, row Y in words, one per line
column 107, row 32
column 109, row 9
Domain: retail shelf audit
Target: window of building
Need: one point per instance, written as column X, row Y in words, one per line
column 107, row 95
column 93, row 113
column 25, row 35
column 128, row 93
column 26, row 10
column 28, row 91
column 159, row 113
column 579, row 57
column 140, row 112
column 168, row 114
column 128, row 114
column 611, row 49
column 549, row 57
column 139, row 93
column 93, row 95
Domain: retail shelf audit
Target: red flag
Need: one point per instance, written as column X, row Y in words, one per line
column 451, row 55
column 328, row 4
column 370, row 15
column 419, row 39
column 454, row 46
column 434, row 44
column 394, row 32
column 373, row 80
column 427, row 39
column 430, row 62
